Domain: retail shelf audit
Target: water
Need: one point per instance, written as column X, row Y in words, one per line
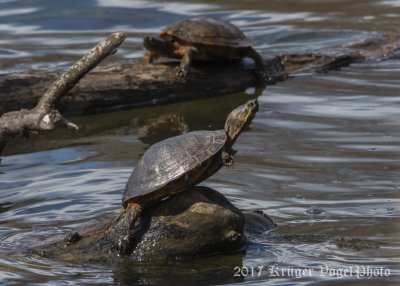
column 322, row 157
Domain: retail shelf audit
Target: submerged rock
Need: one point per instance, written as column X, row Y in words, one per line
column 313, row 210
column 198, row 222
column 355, row 243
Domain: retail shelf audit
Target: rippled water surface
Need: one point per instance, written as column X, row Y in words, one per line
column 322, row 157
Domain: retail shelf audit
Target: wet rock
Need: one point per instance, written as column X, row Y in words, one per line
column 200, row 221
column 258, row 223
column 197, row 222
column 355, row 243
column 352, row 243
column 302, row 237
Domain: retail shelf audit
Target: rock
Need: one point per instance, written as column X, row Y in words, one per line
column 258, row 223
column 198, row 222
column 355, row 243
column 313, row 210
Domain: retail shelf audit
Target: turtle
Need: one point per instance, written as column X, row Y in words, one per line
column 176, row 164
column 202, row 38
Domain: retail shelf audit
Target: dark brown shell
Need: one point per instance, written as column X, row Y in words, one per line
column 175, row 164
column 207, row 30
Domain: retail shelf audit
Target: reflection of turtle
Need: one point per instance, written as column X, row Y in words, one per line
column 175, row 164
column 201, row 38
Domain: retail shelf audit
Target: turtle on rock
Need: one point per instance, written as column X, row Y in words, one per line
column 201, row 38
column 176, row 164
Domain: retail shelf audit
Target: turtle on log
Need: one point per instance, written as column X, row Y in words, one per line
column 201, row 38
column 176, row 164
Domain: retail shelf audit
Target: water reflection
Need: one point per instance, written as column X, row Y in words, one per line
column 202, row 271
column 321, row 158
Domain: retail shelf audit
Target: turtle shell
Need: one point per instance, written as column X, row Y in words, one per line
column 206, row 30
column 174, row 164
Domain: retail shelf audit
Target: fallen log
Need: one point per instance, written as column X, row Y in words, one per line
column 136, row 85
column 148, row 84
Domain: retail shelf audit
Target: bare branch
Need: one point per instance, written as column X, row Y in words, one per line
column 44, row 116
column 68, row 79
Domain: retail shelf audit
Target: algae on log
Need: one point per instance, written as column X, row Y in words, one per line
column 197, row 222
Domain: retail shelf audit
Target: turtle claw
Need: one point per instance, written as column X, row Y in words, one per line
column 150, row 57
column 227, row 159
column 124, row 245
column 230, row 164
column 180, row 73
column 72, row 237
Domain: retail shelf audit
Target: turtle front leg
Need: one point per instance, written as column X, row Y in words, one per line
column 150, row 57
column 258, row 60
column 125, row 225
column 185, row 63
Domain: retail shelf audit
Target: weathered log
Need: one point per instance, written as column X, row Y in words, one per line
column 147, row 84
column 197, row 222
column 136, row 85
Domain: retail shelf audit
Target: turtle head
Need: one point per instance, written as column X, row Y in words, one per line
column 239, row 119
column 158, row 45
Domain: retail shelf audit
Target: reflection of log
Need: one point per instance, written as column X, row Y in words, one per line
column 146, row 84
